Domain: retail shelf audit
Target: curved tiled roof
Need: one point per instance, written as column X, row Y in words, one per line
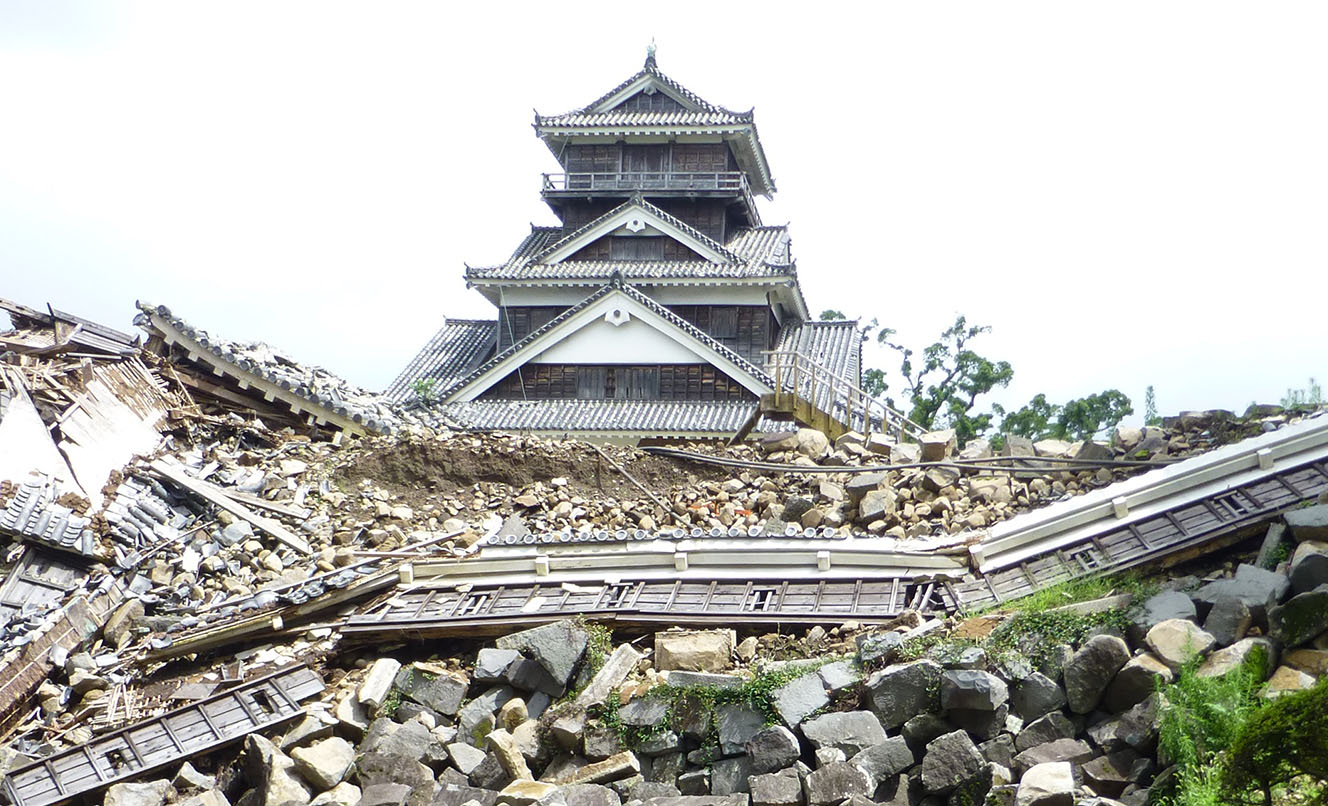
column 672, row 220
column 651, row 71
column 757, row 252
column 455, row 350
column 652, row 417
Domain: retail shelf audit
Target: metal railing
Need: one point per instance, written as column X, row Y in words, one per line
column 798, row 376
column 648, row 180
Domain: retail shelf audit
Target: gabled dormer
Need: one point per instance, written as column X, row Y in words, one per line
column 637, row 230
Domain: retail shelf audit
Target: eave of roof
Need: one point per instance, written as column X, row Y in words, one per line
column 635, row 203
column 455, row 350
column 635, row 418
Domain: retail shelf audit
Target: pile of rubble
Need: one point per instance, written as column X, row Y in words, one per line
column 559, row 715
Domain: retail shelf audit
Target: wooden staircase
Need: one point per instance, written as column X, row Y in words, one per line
column 815, row 397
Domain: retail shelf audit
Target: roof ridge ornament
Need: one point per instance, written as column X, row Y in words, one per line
column 650, row 55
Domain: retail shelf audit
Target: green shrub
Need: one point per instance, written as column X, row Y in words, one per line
column 1283, row 741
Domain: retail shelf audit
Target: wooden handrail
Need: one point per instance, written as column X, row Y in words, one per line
column 855, row 401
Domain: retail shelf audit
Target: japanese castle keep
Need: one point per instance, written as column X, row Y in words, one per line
column 661, row 306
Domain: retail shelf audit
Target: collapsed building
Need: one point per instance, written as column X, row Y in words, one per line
column 230, row 577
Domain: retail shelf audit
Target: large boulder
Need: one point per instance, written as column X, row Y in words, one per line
column 557, row 647
column 1259, row 589
column 1091, row 669
column 849, row 731
column 324, row 764
column 1159, row 608
column 832, row 784
column 272, row 774
column 773, row 748
column 1138, row 678
column 1048, row 728
column 1228, row 621
column 770, row 789
column 694, row 650
column 1309, row 566
column 1232, row 657
column 885, row 759
column 1310, row 523
column 1300, row 618
column 898, row 693
column 1035, row 696
column 1047, row 784
column 797, row 699
column 737, row 724
column 147, row 793
column 812, row 443
column 937, row 446
column 1176, row 642
column 1071, row 750
column 952, row 762
column 432, row 688
column 972, row 690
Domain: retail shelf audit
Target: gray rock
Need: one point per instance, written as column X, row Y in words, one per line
column 681, row 678
column 585, row 795
column 970, row 658
column 863, row 483
column 737, row 799
column 652, row 789
column 410, row 740
column 643, row 712
column 527, row 674
column 729, row 775
column 1300, row 618
column 877, row 504
column 1071, row 750
column 148, row 793
column 999, row 750
column 1176, row 642
column 849, row 731
column 309, row 729
column 972, row 690
column 188, row 779
column 385, row 794
column 491, row 663
column 1158, row 608
column 773, row 748
column 799, row 698
column 380, row 768
column 601, row 741
column 666, row 741
column 558, row 647
column 898, row 693
column 1091, row 669
column 490, row 774
column 324, row 764
column 1310, row 523
column 439, row 692
column 736, row 724
column 839, row 676
column 1258, row 588
column 272, row 773
column 458, row 795
column 829, row 755
column 1110, row 774
column 1048, row 728
column 922, row 729
column 1137, row 679
column 1035, row 696
column 475, row 711
column 982, row 725
column 775, row 790
column 886, row 759
column 694, row 783
column 831, row 784
column 1309, row 566
column 1048, row 784
column 878, row 648
column 666, row 768
column 1228, row 621
column 796, row 507
column 465, row 757
column 1138, row 726
column 952, row 762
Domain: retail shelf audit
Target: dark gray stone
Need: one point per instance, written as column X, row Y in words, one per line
column 795, row 508
column 1091, row 669
column 799, row 698
column 839, row 676
column 653, row 789
column 1309, row 566
column 643, row 711
column 527, row 674
column 386, row 794
column 441, row 693
column 558, row 647
column 666, row 741
column 456, row 795
column 1071, row 750
column 878, row 648
column 666, row 768
column 680, row 678
column 490, row 774
column 491, row 663
column 409, row 740
column 952, row 762
column 586, row 795
column 863, row 483
column 1138, row 726
column 693, row 718
column 729, row 775
column 849, row 731
column 696, row 782
column 1109, row 775
column 737, row 724
column 1035, row 696
column 1300, row 618
column 885, row 760
column 1159, row 608
column 600, row 741
column 972, row 690
column 1310, row 523
column 1228, row 621
column 773, row 748
column 1138, row 678
column 382, row 768
column 1258, row 588
column 474, row 712
column 922, row 729
column 769, row 789
column 982, row 725
column 999, row 750
column 1048, row 728
column 831, row 784
column 898, row 693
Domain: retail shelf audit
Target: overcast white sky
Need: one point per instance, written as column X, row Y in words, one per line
column 1129, row 193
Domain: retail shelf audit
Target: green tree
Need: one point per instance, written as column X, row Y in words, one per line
column 1310, row 397
column 1081, row 418
column 945, row 380
column 1151, row 416
column 831, row 315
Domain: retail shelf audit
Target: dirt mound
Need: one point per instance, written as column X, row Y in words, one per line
column 431, row 467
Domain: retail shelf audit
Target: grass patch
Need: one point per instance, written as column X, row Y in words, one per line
column 1073, row 591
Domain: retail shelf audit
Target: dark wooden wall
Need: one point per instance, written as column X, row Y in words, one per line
column 618, row 382
column 747, row 330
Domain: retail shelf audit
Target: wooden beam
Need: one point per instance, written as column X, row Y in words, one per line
column 216, row 495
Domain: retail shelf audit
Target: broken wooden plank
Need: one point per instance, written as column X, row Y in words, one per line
column 211, row 492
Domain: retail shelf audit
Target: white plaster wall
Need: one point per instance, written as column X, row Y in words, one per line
column 633, row 342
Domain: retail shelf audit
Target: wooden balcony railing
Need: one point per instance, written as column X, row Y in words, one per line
column 801, row 382
column 735, row 181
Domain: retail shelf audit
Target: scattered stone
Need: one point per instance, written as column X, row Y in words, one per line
column 1158, row 608
column 1071, row 750
column 324, row 764
column 1309, row 566
column 953, row 762
column 1045, row 729
column 898, row 693
column 1091, row 669
column 557, row 647
column 773, row 748
column 1301, row 617
column 1047, row 784
column 796, row 700
column 849, row 731
column 1176, row 642
column 831, row 784
column 885, row 759
column 1228, row 621
column 972, row 690
column 1258, row 588
column 694, row 650
column 149, row 793
column 1137, row 679
column 769, row 789
column 1035, row 696
column 1224, row 660
column 1310, row 523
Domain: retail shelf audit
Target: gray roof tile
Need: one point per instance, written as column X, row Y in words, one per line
column 647, row 417
column 458, row 347
column 33, row 514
